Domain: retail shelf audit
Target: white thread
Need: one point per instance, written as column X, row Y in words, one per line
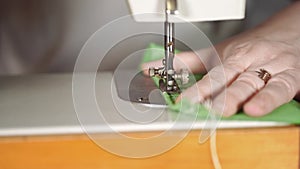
column 213, row 151
column 213, row 136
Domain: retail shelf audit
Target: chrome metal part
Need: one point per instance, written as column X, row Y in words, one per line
column 169, row 77
column 140, row 89
column 171, row 6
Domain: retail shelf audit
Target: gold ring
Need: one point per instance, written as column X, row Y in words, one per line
column 264, row 75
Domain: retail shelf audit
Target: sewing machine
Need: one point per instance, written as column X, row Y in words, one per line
column 38, row 125
column 171, row 12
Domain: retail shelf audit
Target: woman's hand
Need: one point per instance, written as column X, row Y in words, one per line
column 273, row 46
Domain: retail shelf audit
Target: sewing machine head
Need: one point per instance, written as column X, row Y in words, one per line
column 174, row 11
column 188, row 10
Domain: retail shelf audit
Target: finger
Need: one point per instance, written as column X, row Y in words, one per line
column 198, row 62
column 280, row 89
column 247, row 84
column 145, row 66
column 215, row 81
column 182, row 60
column 190, row 61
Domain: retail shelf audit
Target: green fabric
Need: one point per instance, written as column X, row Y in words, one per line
column 289, row 112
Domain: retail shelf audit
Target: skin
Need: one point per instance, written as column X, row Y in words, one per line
column 273, row 45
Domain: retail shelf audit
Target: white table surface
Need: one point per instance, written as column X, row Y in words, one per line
column 42, row 104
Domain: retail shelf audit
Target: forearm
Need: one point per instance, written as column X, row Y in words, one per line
column 284, row 26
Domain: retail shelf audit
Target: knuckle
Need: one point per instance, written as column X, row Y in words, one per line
column 251, row 80
column 286, row 61
column 287, row 83
column 235, row 65
column 217, row 78
column 215, row 82
column 234, row 97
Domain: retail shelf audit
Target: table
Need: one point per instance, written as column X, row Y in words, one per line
column 39, row 129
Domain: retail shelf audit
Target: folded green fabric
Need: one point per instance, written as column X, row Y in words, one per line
column 289, row 113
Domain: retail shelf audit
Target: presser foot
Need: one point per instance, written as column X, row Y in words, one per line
column 170, row 83
column 170, row 89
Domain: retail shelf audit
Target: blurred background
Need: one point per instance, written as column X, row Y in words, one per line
column 46, row 36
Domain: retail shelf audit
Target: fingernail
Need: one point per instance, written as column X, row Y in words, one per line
column 254, row 109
